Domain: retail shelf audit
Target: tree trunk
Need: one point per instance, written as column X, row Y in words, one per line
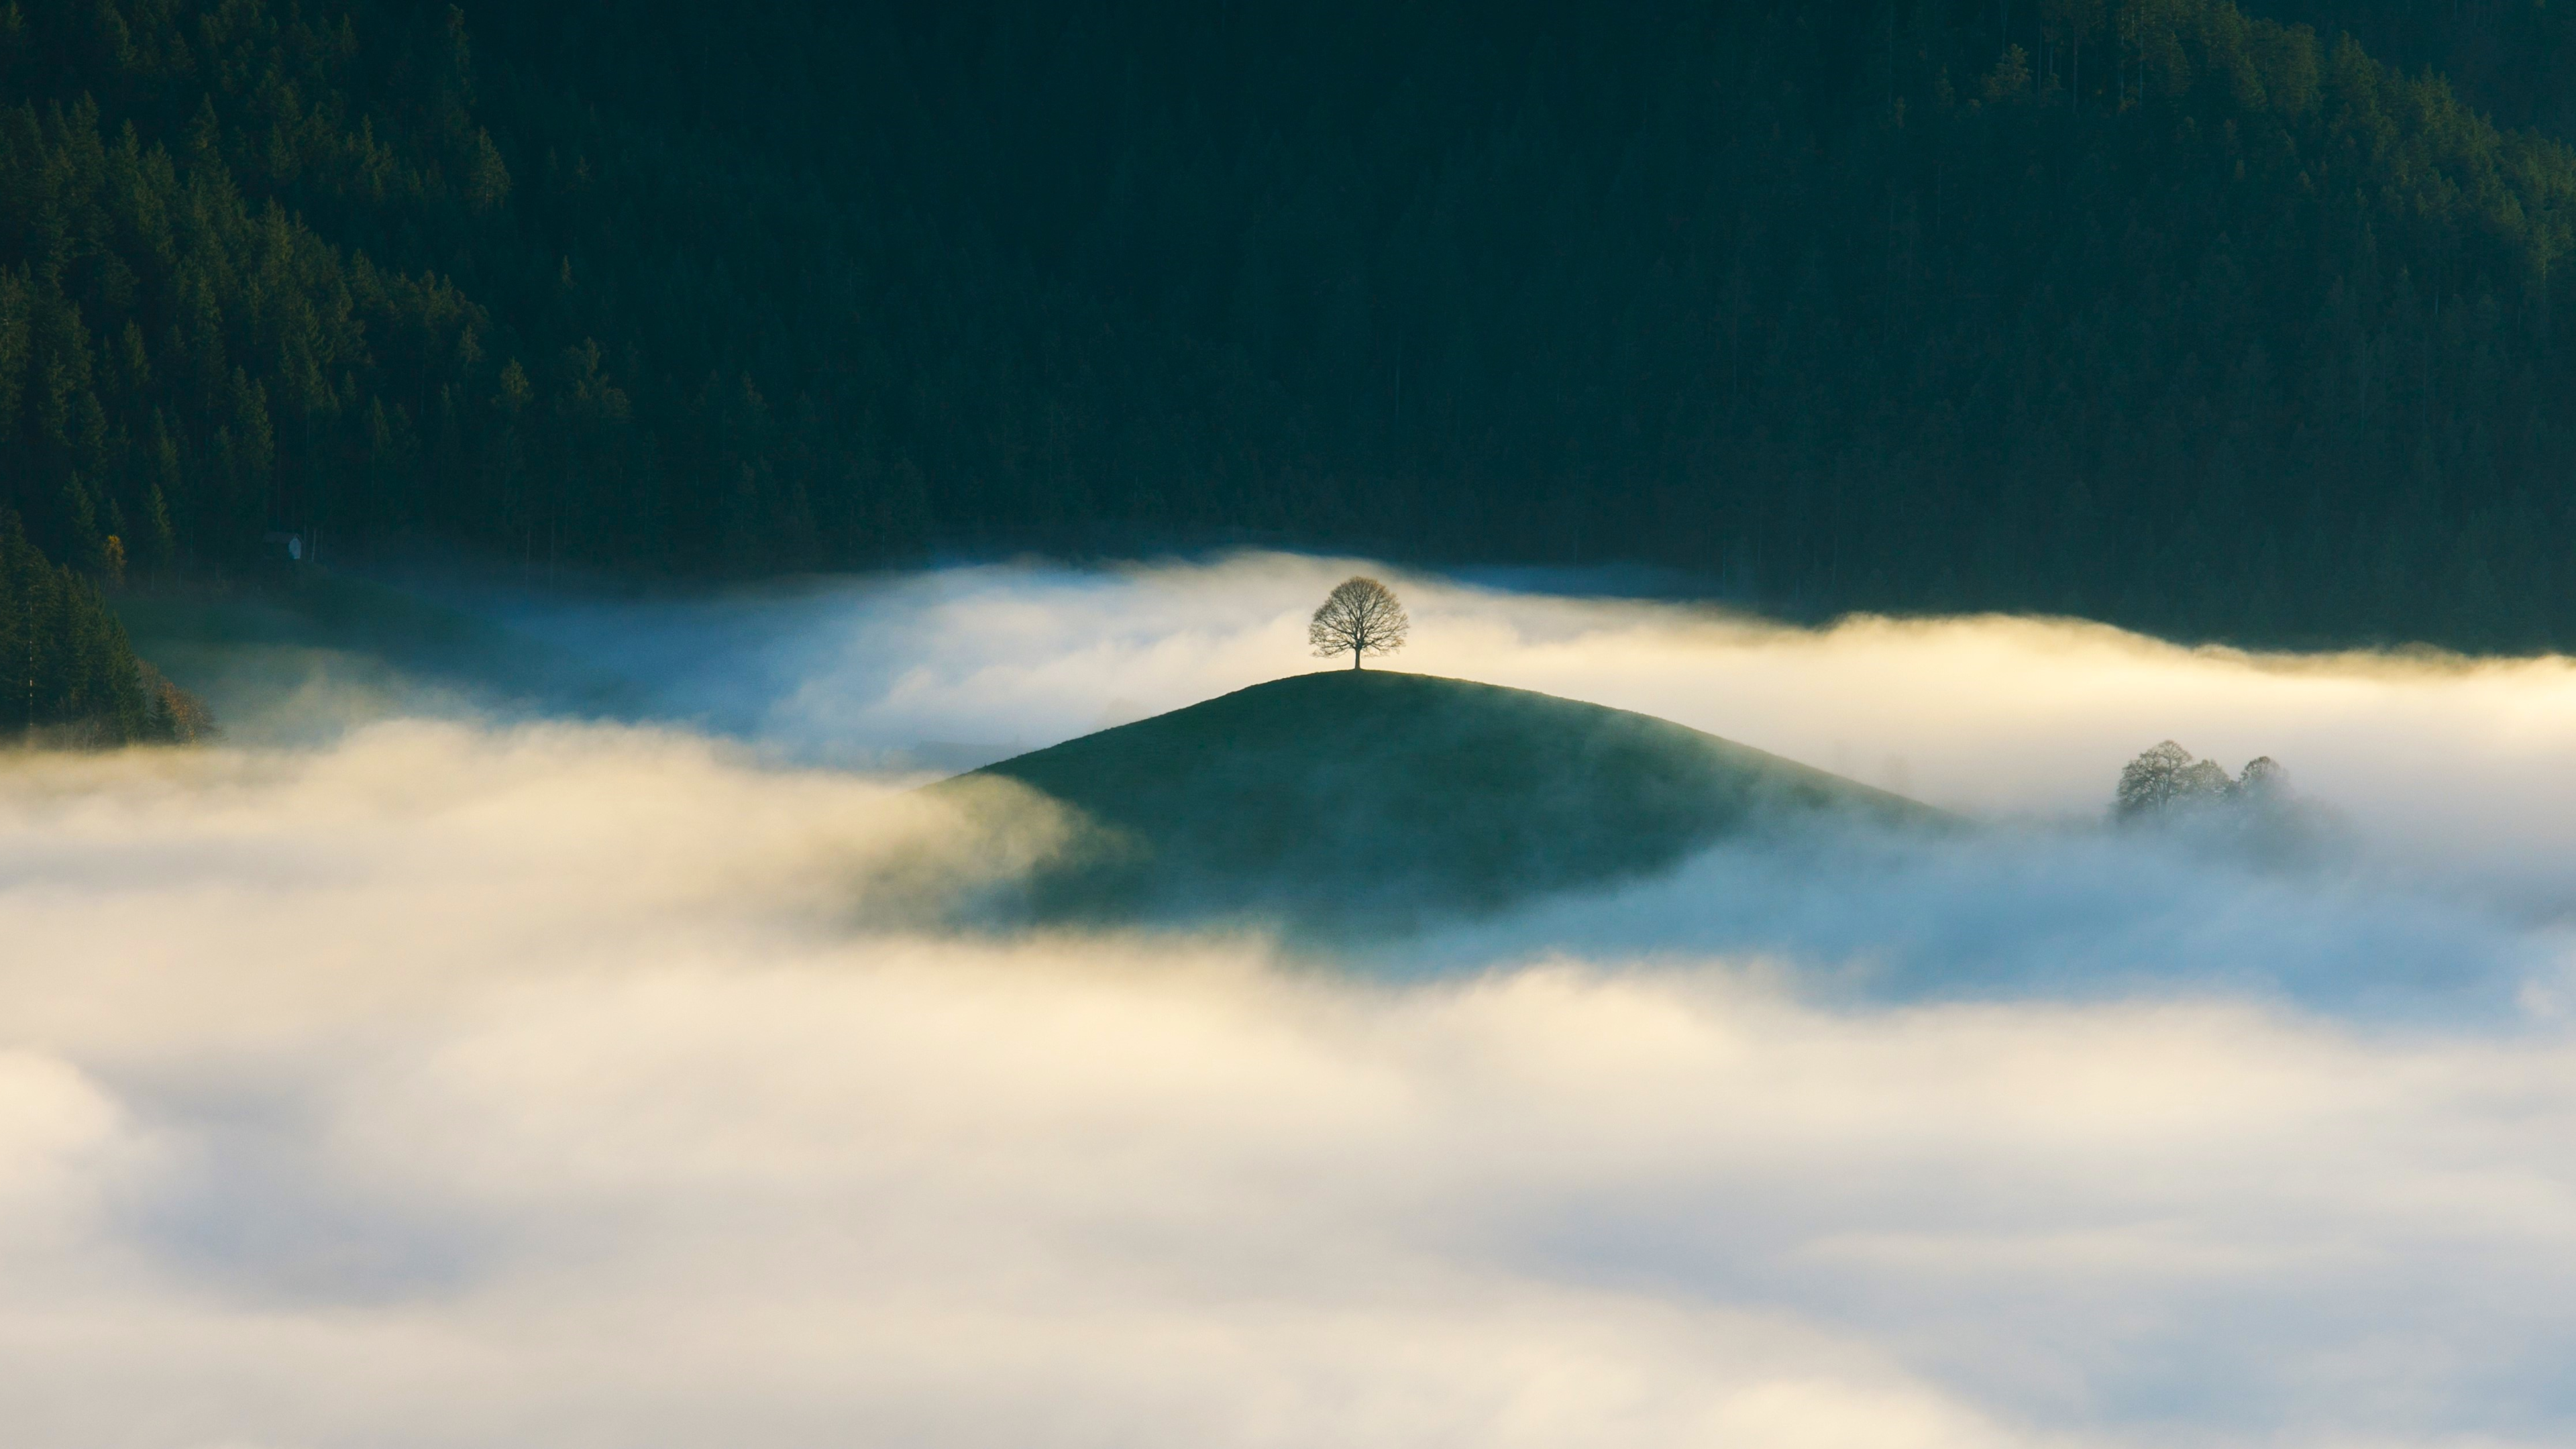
column 1355, row 656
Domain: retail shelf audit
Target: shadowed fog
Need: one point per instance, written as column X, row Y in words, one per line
column 477, row 1077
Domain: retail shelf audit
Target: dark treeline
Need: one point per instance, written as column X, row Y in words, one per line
column 2151, row 310
column 67, row 673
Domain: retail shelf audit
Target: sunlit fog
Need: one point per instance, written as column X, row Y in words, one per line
column 611, row 1052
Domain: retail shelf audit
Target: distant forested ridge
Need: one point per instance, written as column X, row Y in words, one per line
column 2194, row 318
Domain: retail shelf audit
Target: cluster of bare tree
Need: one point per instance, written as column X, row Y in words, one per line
column 2166, row 779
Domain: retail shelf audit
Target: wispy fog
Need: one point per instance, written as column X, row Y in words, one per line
column 504, row 1079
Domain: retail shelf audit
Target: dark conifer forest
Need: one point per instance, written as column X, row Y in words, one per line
column 67, row 673
column 2222, row 323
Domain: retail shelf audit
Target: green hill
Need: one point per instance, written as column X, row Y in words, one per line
column 1355, row 800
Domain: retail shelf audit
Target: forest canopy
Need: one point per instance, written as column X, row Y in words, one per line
column 67, row 673
column 2194, row 318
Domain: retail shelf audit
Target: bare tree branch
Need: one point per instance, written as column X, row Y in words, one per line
column 1361, row 617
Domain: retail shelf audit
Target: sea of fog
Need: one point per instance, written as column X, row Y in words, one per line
column 576, row 1062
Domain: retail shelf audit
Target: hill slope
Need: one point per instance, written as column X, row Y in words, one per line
column 1356, row 799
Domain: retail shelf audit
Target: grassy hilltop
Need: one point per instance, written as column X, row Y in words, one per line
column 1370, row 798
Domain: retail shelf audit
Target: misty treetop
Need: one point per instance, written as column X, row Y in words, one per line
column 2161, row 311
column 2166, row 781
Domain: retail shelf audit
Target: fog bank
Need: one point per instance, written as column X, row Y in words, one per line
column 2437, row 759
column 493, row 1081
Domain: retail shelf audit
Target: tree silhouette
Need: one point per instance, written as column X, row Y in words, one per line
column 2263, row 778
column 2151, row 781
column 2167, row 776
column 1361, row 616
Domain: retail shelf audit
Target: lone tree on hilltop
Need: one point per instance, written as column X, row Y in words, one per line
column 1362, row 617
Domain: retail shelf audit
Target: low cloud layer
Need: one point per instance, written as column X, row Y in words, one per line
column 489, row 1083
column 2439, row 759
